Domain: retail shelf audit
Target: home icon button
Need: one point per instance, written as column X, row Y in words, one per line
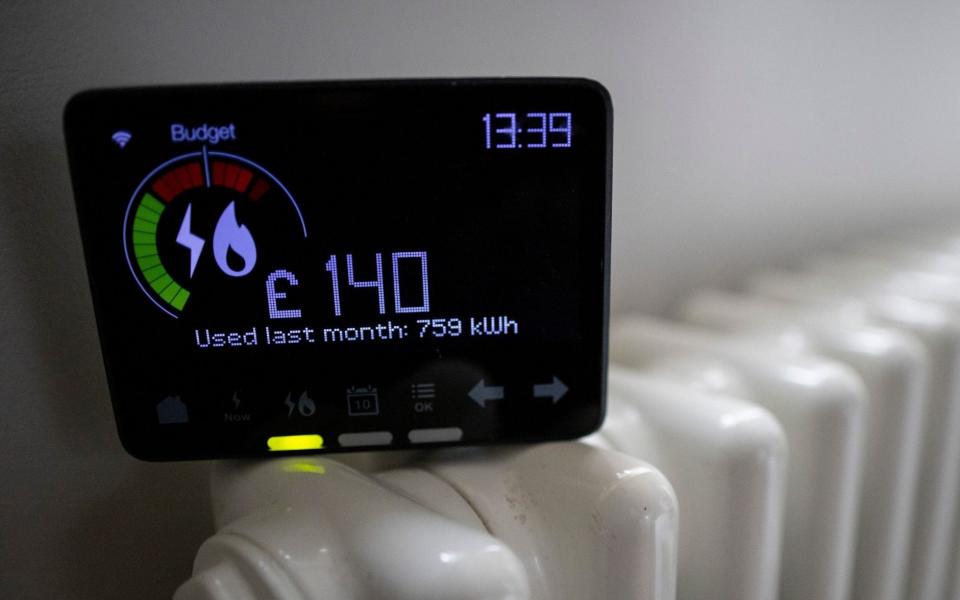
column 172, row 410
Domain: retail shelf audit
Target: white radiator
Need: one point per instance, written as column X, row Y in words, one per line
column 797, row 440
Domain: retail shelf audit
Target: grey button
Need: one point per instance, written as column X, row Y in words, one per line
column 437, row 434
column 367, row 438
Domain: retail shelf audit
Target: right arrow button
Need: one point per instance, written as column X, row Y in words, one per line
column 553, row 390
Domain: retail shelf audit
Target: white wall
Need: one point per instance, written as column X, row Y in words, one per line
column 747, row 133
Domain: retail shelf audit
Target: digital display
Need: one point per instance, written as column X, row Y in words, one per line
column 337, row 266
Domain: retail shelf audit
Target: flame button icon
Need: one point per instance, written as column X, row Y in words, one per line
column 231, row 235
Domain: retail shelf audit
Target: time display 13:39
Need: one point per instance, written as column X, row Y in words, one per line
column 506, row 130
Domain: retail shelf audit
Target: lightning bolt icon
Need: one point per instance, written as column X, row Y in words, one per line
column 188, row 240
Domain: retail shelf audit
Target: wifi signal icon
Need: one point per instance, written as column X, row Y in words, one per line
column 120, row 138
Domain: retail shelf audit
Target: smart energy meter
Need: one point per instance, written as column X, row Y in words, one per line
column 347, row 265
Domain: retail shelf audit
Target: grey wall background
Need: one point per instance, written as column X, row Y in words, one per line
column 747, row 133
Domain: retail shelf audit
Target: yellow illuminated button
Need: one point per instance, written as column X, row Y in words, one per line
column 285, row 443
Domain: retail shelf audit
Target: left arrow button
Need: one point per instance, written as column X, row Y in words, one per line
column 482, row 393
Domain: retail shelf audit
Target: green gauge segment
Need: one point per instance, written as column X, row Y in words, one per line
column 144, row 237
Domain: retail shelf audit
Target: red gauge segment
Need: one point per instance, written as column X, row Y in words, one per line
column 259, row 189
column 230, row 175
column 163, row 190
column 217, row 169
column 183, row 178
column 179, row 180
column 243, row 180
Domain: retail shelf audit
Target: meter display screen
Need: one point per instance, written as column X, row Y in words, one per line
column 336, row 266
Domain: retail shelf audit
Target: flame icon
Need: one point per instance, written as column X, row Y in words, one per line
column 231, row 235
